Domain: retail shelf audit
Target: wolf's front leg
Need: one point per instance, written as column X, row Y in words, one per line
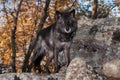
column 50, row 57
column 56, row 60
column 67, row 54
column 67, row 57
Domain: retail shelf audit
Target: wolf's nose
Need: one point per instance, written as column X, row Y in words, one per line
column 67, row 30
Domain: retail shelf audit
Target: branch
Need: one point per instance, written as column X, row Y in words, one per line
column 13, row 31
column 32, row 43
column 6, row 13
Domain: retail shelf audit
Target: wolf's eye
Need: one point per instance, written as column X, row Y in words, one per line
column 72, row 23
column 69, row 23
column 61, row 22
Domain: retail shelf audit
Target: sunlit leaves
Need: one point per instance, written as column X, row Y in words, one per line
column 66, row 4
column 25, row 29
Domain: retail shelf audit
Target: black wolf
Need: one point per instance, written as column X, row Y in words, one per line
column 57, row 37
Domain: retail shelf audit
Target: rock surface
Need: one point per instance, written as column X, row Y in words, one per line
column 31, row 76
column 97, row 41
column 112, row 68
column 77, row 70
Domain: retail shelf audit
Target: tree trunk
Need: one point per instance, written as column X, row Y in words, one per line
column 94, row 10
column 13, row 31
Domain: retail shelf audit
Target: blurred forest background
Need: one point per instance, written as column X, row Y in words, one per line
column 21, row 21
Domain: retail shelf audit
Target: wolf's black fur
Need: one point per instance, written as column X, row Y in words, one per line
column 56, row 38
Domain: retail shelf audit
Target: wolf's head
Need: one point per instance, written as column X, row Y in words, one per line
column 66, row 22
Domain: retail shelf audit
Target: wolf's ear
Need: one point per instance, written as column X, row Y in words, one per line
column 72, row 13
column 58, row 14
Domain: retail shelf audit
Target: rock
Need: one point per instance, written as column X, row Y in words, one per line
column 112, row 68
column 31, row 76
column 77, row 70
